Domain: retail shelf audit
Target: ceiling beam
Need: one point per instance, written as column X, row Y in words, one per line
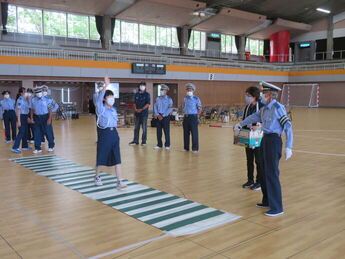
column 339, row 17
column 118, row 6
column 259, row 28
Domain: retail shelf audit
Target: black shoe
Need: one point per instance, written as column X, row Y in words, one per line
column 248, row 185
column 261, row 205
column 256, row 187
column 133, row 143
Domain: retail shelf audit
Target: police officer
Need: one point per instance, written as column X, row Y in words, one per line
column 274, row 121
column 191, row 108
column 30, row 124
column 8, row 114
column 108, row 144
column 22, row 110
column 162, row 109
column 142, row 103
column 41, row 115
column 55, row 107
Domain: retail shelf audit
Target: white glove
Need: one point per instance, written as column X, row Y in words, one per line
column 237, row 126
column 288, row 153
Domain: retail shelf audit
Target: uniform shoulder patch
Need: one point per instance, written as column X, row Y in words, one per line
column 276, row 105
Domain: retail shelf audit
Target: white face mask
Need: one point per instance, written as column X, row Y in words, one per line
column 190, row 93
column 26, row 94
column 142, row 87
column 249, row 99
column 39, row 95
column 163, row 92
column 45, row 93
column 6, row 96
column 110, row 101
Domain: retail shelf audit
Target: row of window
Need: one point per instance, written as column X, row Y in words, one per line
column 37, row 21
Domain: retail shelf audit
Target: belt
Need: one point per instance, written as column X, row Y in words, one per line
column 41, row 115
column 109, row 128
column 272, row 135
column 190, row 115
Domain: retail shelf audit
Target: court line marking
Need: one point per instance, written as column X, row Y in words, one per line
column 319, row 153
column 312, row 137
column 130, row 246
column 319, row 130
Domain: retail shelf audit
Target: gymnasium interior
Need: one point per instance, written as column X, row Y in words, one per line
column 177, row 204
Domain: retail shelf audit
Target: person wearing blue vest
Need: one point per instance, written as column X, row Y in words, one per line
column 41, row 115
column 23, row 104
column 142, row 101
column 192, row 109
column 162, row 109
column 108, row 144
column 8, row 114
column 274, row 122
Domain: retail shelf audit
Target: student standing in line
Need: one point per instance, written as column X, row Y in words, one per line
column 142, row 102
column 31, row 130
column 8, row 114
column 41, row 115
column 162, row 109
column 108, row 144
column 192, row 109
column 22, row 111
column 253, row 106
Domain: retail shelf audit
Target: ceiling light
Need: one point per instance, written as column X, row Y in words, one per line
column 198, row 13
column 323, row 10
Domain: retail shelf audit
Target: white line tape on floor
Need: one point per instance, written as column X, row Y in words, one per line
column 129, row 246
column 318, row 153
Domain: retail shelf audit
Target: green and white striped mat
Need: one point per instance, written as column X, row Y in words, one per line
column 172, row 214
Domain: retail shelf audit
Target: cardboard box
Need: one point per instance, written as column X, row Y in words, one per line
column 248, row 138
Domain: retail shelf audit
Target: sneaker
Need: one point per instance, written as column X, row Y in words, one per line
column 133, row 143
column 42, row 143
column 120, row 185
column 143, row 144
column 7, row 141
column 248, row 185
column 261, row 205
column 195, row 151
column 157, row 148
column 167, row 148
column 32, row 141
column 50, row 149
column 256, row 187
column 98, row 181
column 36, row 151
column 16, row 150
column 272, row 213
column 27, row 148
column 185, row 150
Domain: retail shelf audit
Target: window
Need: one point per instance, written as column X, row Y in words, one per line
column 174, row 39
column 29, row 20
column 55, row 23
column 256, row 47
column 147, row 34
column 129, row 32
column 78, row 26
column 117, row 31
column 197, row 40
column 12, row 19
column 93, row 29
column 228, row 44
column 163, row 36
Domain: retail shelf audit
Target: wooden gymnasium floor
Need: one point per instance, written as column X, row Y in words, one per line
column 43, row 219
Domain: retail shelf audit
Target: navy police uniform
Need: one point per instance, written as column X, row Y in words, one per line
column 23, row 105
column 163, row 107
column 8, row 114
column 141, row 99
column 191, row 109
column 274, row 121
column 108, row 144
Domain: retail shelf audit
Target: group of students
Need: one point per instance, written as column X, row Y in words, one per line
column 31, row 112
column 108, row 143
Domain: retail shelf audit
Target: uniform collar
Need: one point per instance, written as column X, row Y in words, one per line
column 269, row 106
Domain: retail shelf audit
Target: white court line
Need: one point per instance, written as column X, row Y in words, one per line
column 319, row 130
column 312, row 137
column 129, row 246
column 318, row 153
